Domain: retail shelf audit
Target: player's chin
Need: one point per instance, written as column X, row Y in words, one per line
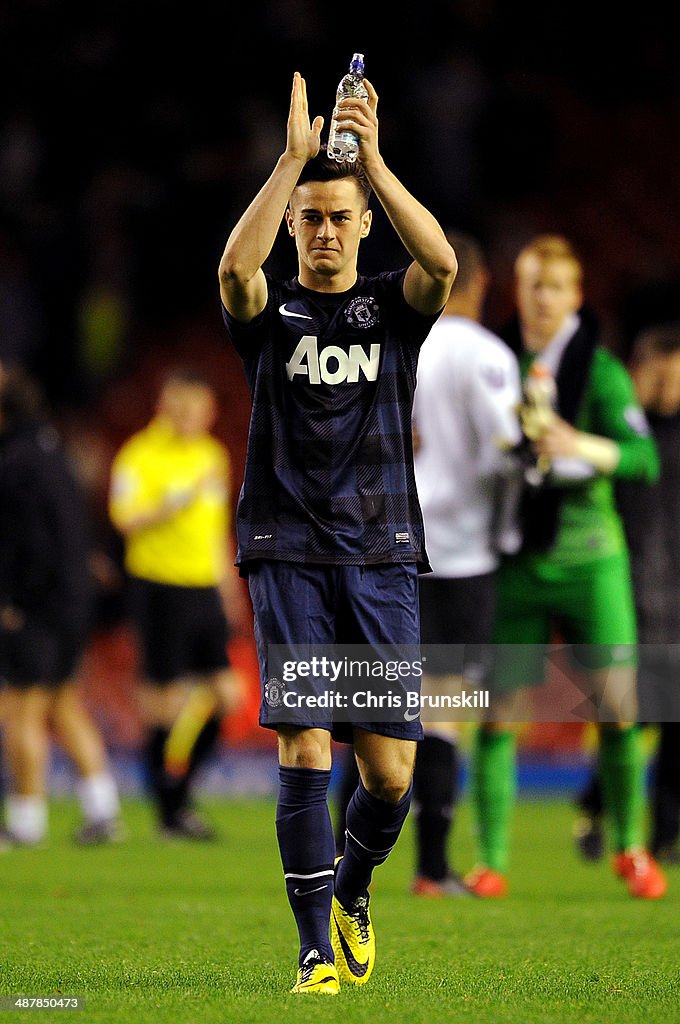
column 325, row 263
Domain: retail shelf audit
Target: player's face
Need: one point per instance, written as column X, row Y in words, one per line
column 547, row 292
column 190, row 407
column 657, row 382
column 327, row 220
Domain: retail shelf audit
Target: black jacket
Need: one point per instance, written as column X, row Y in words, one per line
column 44, row 541
column 540, row 506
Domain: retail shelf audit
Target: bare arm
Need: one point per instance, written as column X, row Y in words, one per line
column 242, row 284
column 429, row 278
column 560, row 440
column 130, row 521
column 235, row 602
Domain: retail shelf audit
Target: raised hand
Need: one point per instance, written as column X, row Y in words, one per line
column 303, row 139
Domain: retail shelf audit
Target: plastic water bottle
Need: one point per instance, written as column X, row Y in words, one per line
column 345, row 145
column 540, row 398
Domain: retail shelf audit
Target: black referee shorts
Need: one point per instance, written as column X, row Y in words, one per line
column 181, row 631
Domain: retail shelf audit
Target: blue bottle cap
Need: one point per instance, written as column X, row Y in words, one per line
column 357, row 64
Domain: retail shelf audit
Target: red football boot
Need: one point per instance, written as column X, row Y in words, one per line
column 485, row 882
column 642, row 874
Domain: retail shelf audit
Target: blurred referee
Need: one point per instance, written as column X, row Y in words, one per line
column 169, row 498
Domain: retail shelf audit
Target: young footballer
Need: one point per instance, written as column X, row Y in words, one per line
column 329, row 527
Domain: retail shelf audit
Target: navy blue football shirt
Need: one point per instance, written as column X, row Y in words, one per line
column 329, row 466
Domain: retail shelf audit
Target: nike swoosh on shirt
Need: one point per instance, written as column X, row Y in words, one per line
column 357, row 969
column 411, row 717
column 308, row 892
column 289, row 312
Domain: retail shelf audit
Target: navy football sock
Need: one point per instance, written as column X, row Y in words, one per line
column 306, row 843
column 349, row 781
column 373, row 827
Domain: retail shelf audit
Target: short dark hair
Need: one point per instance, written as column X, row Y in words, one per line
column 470, row 256
column 659, row 339
column 322, row 168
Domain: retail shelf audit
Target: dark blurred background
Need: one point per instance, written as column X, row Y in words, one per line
column 134, row 132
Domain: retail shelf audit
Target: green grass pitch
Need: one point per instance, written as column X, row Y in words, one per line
column 175, row 933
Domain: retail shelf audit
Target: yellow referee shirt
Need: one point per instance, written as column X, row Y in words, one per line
column 157, row 469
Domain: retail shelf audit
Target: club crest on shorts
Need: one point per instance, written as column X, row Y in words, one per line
column 274, row 692
column 362, row 312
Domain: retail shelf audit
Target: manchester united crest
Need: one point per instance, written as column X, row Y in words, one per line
column 274, row 692
column 362, row 312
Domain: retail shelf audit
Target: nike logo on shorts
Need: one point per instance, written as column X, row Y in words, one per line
column 289, row 312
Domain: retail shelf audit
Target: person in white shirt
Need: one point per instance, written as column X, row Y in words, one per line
column 465, row 422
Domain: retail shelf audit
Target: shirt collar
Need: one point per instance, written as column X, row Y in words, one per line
column 551, row 356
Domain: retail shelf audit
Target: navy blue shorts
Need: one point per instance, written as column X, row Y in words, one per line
column 317, row 606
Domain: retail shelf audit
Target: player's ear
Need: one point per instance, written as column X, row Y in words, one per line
column 290, row 224
column 366, row 221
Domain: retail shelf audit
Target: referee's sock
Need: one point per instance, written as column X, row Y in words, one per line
column 434, row 792
column 307, row 847
column 172, row 789
column 372, row 829
column 188, row 729
column 205, row 745
column 493, row 794
column 169, row 795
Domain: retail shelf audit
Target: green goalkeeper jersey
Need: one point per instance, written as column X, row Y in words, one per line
column 589, row 527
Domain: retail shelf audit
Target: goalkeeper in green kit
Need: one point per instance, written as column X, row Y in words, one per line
column 571, row 574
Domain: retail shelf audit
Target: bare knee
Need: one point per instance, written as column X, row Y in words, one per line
column 304, row 748
column 385, row 764
column 388, row 782
column 390, row 790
